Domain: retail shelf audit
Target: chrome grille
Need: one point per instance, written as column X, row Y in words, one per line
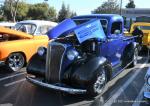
column 54, row 61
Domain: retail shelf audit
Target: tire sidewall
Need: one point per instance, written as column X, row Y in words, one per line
column 90, row 88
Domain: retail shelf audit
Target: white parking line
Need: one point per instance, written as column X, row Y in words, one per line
column 122, row 89
column 4, row 78
column 139, row 98
column 15, row 82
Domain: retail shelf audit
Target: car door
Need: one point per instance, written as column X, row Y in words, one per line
column 113, row 48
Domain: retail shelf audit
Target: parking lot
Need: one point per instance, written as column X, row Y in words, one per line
column 126, row 89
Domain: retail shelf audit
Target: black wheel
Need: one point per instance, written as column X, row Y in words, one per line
column 134, row 57
column 15, row 62
column 130, row 56
column 98, row 83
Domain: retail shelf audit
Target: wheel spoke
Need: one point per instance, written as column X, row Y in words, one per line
column 100, row 82
column 15, row 61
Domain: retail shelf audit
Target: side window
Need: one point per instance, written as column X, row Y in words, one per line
column 42, row 30
column 116, row 28
column 27, row 28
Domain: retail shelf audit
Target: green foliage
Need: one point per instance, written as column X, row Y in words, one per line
column 22, row 11
column 41, row 11
column 130, row 4
column 65, row 13
column 108, row 7
column 30, row 11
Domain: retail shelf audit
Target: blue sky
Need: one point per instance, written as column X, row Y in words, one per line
column 86, row 6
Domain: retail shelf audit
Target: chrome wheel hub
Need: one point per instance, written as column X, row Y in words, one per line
column 15, row 61
column 135, row 56
column 100, row 82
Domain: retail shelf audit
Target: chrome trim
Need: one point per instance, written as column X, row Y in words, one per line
column 147, row 95
column 59, row 88
column 48, row 57
column 2, row 63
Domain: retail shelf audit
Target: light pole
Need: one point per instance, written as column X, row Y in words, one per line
column 120, row 7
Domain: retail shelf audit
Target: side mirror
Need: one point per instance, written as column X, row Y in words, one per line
column 117, row 32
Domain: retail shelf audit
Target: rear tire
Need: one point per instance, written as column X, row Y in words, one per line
column 134, row 57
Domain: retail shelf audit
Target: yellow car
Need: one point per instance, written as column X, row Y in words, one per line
column 145, row 27
column 17, row 47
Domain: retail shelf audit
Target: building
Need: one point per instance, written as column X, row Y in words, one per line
column 136, row 15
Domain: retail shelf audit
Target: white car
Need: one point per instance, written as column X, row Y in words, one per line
column 7, row 24
column 35, row 27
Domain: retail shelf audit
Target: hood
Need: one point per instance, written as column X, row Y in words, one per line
column 90, row 29
column 84, row 31
column 12, row 32
column 61, row 28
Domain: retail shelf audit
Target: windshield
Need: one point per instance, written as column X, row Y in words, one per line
column 26, row 27
column 103, row 23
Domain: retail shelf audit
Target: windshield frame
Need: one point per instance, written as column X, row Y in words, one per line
column 21, row 24
column 88, row 19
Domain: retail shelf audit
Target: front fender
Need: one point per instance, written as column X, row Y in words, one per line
column 79, row 75
column 36, row 65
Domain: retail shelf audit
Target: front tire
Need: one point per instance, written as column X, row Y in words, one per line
column 15, row 62
column 98, row 83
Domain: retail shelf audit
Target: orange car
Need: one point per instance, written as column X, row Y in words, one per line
column 17, row 47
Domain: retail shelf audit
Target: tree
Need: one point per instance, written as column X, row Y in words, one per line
column 64, row 13
column 130, row 4
column 22, row 11
column 73, row 14
column 10, row 8
column 108, row 7
column 41, row 11
column 20, row 14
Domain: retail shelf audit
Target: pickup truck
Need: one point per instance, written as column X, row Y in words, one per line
column 87, row 52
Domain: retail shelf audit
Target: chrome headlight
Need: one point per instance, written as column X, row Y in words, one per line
column 72, row 54
column 41, row 51
column 148, row 80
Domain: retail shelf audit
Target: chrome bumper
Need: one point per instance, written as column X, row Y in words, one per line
column 2, row 63
column 59, row 88
column 146, row 91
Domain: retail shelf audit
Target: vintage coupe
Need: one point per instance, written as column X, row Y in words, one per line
column 17, row 47
column 86, row 53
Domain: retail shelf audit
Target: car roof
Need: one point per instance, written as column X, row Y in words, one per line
column 7, row 24
column 108, row 16
column 141, row 23
column 39, row 22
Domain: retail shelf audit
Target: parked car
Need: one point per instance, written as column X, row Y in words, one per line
column 17, row 47
column 145, row 27
column 147, row 85
column 87, row 52
column 7, row 24
column 35, row 27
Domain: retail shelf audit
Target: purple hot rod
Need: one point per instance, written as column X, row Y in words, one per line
column 86, row 52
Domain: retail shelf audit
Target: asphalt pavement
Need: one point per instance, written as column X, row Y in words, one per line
column 126, row 89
